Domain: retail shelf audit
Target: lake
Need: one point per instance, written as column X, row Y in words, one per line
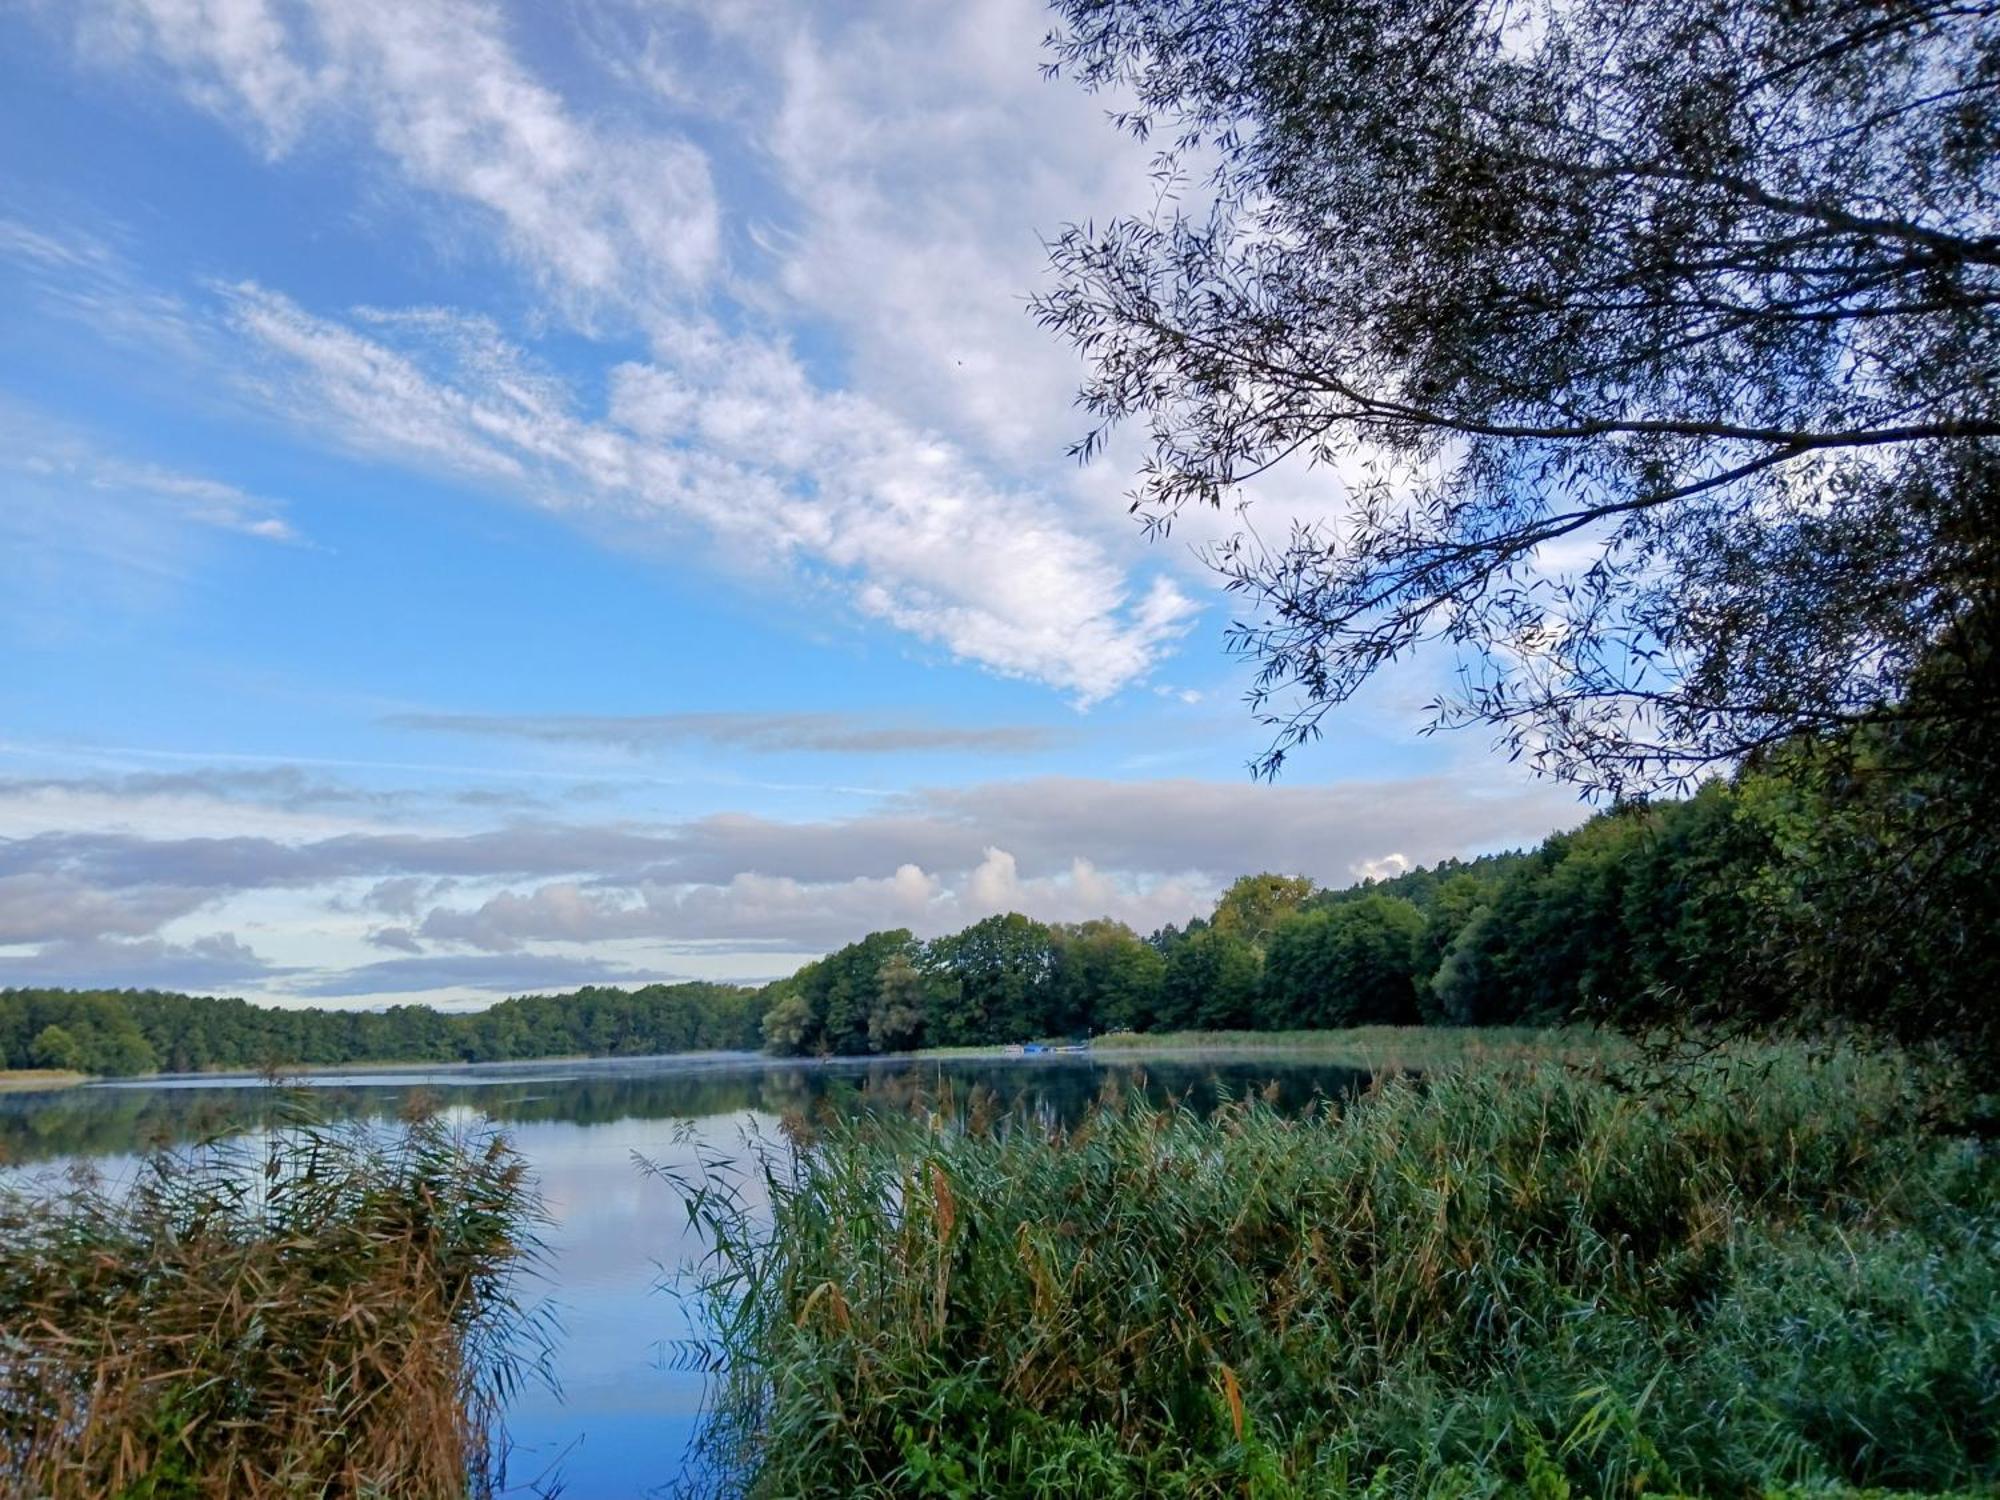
column 627, row 1405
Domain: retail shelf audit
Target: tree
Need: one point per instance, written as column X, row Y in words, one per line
column 788, row 1023
column 841, row 990
column 54, row 1047
column 1348, row 965
column 896, row 1022
column 1463, row 978
column 1254, row 905
column 1654, row 351
column 993, row 981
column 117, row 1051
column 1454, row 904
column 1210, row 983
column 1106, row 978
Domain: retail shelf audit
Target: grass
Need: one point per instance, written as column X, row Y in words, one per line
column 33, row 1080
column 1511, row 1278
column 315, row 1313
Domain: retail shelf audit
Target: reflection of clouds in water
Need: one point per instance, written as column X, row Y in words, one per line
column 107, row 1119
column 616, row 1233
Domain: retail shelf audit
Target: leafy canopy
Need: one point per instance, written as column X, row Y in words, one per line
column 1655, row 346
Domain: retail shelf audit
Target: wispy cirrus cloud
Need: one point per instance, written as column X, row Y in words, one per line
column 614, row 214
column 762, row 733
column 76, row 474
column 729, row 434
column 601, row 216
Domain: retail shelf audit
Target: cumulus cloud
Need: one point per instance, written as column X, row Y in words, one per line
column 768, row 733
column 1056, row 848
column 1388, row 867
column 749, row 907
column 813, row 915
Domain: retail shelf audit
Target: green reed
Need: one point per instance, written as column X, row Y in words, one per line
column 1511, row 1278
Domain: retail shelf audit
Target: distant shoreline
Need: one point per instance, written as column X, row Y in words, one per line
column 1366, row 1046
column 39, row 1080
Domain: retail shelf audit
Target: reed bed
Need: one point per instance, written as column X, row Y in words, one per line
column 1391, row 1049
column 1506, row 1279
column 308, row 1312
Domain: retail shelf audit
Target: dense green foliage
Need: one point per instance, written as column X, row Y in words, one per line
column 1350, row 964
column 138, row 1031
column 1839, row 882
column 1510, row 1279
column 349, row 1327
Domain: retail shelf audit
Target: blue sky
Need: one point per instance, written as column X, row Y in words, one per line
column 499, row 497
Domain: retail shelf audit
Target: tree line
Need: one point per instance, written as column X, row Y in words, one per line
column 142, row 1031
column 1838, row 881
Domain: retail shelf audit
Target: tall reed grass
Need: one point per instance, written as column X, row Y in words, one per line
column 1507, row 1279
column 1390, row 1049
column 308, row 1312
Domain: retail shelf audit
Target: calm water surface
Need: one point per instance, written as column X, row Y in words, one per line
column 625, row 1412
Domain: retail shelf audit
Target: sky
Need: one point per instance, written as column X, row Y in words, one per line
column 502, row 497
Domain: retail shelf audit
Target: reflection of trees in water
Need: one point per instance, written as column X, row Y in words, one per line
column 1051, row 1092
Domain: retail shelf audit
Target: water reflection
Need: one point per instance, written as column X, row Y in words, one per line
column 627, row 1411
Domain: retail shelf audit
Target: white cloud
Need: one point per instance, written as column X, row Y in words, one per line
column 616, row 216
column 725, row 887
column 81, row 477
column 601, row 216
column 814, row 915
column 733, row 437
column 1386, row 868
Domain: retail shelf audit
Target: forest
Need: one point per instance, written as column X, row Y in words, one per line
column 120, row 1032
column 1739, row 909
